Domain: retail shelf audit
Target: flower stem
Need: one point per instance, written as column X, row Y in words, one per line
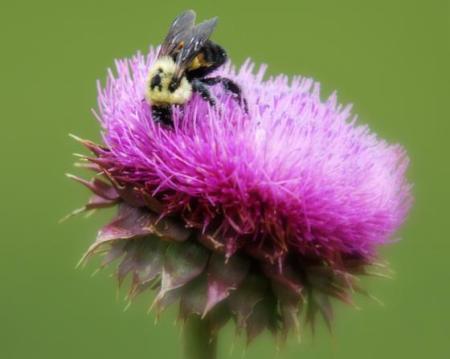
column 199, row 342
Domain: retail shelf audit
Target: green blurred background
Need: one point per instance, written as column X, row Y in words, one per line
column 389, row 58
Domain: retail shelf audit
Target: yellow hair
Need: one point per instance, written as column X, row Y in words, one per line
column 162, row 95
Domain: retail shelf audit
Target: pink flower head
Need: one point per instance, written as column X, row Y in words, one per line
column 297, row 188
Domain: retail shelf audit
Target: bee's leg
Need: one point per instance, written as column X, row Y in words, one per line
column 199, row 87
column 162, row 114
column 228, row 85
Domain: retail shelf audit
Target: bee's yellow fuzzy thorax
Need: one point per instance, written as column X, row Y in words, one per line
column 166, row 68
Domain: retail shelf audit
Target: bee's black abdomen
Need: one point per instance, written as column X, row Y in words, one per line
column 214, row 56
column 162, row 114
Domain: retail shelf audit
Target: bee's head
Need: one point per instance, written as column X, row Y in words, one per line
column 164, row 86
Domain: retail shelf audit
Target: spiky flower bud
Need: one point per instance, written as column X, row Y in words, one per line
column 257, row 217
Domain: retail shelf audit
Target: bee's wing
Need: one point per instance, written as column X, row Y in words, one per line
column 181, row 27
column 194, row 42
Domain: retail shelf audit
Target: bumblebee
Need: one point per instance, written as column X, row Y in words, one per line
column 184, row 60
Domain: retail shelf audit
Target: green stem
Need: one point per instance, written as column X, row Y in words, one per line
column 199, row 342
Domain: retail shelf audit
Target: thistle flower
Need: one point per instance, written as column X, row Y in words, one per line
column 258, row 217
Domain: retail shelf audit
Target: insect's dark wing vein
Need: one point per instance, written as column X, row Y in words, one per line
column 181, row 27
column 194, row 42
